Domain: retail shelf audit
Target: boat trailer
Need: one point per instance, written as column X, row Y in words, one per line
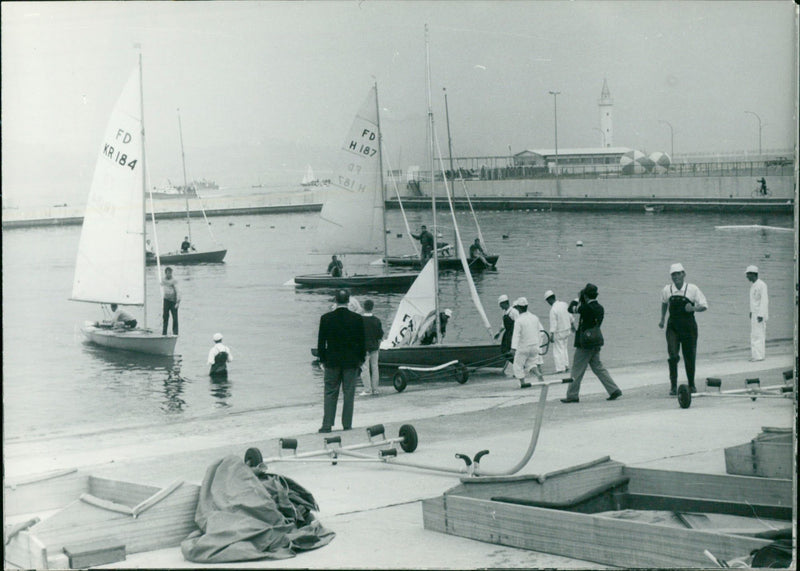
column 752, row 390
column 333, row 451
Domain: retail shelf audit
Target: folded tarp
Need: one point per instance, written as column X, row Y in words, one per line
column 245, row 516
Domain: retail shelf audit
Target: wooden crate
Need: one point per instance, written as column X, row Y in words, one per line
column 768, row 455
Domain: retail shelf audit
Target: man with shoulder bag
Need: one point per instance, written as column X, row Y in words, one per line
column 588, row 342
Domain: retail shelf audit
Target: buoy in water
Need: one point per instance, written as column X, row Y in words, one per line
column 302, row 227
column 505, row 236
column 766, row 255
column 399, row 235
column 230, row 223
column 272, row 226
column 579, row 243
column 247, row 225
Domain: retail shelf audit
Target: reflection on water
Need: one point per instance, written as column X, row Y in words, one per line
column 173, row 393
column 220, row 390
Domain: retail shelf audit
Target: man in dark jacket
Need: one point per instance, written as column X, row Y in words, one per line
column 587, row 352
column 341, row 349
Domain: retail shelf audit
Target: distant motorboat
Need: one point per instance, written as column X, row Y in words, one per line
column 653, row 208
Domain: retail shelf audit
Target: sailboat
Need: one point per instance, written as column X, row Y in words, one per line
column 110, row 266
column 190, row 256
column 353, row 218
column 420, row 306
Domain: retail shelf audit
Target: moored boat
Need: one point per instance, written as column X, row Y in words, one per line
column 196, row 257
column 445, row 262
column 399, row 279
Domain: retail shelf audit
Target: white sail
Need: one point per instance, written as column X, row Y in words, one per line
column 415, row 308
column 308, row 178
column 351, row 221
column 110, row 264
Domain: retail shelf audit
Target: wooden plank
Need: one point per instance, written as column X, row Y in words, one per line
column 119, row 491
column 26, row 552
column 768, row 491
column 580, row 536
column 560, row 486
column 729, row 507
column 90, row 554
column 41, row 495
column 765, row 458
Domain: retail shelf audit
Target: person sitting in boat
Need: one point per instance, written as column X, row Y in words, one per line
column 120, row 319
column 476, row 252
column 426, row 243
column 186, row 245
column 335, row 268
column 444, row 248
column 148, row 250
column 218, row 357
column 429, row 337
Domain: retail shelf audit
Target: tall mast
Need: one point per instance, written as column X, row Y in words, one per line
column 380, row 168
column 144, row 191
column 449, row 140
column 185, row 183
column 433, row 190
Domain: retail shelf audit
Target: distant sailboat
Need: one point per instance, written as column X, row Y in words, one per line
column 110, row 266
column 353, row 218
column 310, row 180
column 190, row 256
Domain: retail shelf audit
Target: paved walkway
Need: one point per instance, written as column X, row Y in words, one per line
column 374, row 507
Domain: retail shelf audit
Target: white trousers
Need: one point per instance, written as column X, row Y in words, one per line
column 559, row 349
column 758, row 338
column 525, row 359
column 371, row 373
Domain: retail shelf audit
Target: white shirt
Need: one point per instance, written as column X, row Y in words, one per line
column 560, row 319
column 218, row 348
column 689, row 291
column 759, row 299
column 526, row 331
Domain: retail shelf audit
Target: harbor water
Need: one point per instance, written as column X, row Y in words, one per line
column 54, row 382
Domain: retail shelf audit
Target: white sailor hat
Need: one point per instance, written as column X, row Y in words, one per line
column 676, row 268
column 217, row 337
column 751, row 270
column 448, row 312
column 520, row 301
column 502, row 298
column 548, row 293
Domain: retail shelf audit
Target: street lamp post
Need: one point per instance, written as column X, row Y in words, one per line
column 555, row 95
column 671, row 138
column 599, row 130
column 759, row 130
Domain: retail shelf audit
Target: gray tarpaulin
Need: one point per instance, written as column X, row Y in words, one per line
column 245, row 516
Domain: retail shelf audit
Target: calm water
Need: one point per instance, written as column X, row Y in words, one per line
column 52, row 381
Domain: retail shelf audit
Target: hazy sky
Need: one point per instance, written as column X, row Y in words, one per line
column 266, row 88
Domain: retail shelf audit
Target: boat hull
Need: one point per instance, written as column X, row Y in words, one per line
column 207, row 257
column 400, row 279
column 487, row 355
column 445, row 262
column 135, row 340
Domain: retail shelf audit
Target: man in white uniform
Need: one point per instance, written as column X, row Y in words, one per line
column 759, row 313
column 525, row 344
column 560, row 329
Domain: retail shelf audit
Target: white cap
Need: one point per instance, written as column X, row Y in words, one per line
column 217, row 337
column 520, row 301
column 502, row 298
column 448, row 312
column 548, row 293
column 751, row 270
column 676, row 268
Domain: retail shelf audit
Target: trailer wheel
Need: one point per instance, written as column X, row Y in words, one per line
column 462, row 373
column 253, row 457
column 409, row 436
column 684, row 396
column 400, row 381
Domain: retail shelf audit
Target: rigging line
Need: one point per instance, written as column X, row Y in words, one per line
column 399, row 201
column 459, row 246
column 472, row 210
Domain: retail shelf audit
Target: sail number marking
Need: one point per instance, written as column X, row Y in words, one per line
column 364, row 146
column 116, row 154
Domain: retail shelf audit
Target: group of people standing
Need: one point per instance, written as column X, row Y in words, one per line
column 680, row 300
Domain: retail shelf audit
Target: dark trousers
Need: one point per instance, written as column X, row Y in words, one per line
column 334, row 377
column 682, row 336
column 583, row 358
column 169, row 307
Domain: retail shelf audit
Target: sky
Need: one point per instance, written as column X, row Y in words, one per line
column 266, row 88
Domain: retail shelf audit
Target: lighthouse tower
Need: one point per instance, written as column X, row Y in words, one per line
column 606, row 104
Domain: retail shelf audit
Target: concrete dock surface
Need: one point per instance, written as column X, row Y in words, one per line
column 375, row 509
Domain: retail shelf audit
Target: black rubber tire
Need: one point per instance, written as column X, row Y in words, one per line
column 375, row 430
column 253, row 457
column 409, row 435
column 400, row 381
column 288, row 443
column 462, row 373
column 684, row 396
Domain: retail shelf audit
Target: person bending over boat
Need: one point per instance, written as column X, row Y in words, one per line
column 429, row 337
column 121, row 319
column 525, row 344
column 476, row 253
column 426, row 243
column 218, row 357
column 335, row 268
